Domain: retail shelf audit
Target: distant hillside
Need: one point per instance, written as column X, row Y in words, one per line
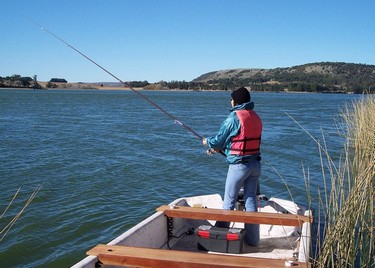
column 312, row 77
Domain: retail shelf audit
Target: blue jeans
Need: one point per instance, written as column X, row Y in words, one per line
column 246, row 175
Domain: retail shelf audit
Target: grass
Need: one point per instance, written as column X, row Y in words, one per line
column 346, row 202
column 8, row 225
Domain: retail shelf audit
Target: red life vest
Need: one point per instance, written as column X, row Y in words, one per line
column 247, row 142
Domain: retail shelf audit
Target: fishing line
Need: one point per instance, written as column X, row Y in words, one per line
column 118, row 79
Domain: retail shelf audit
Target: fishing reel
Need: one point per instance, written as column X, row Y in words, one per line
column 211, row 152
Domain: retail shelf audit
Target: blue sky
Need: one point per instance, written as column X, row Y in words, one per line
column 169, row 40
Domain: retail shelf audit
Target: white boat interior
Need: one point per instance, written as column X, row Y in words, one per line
column 287, row 243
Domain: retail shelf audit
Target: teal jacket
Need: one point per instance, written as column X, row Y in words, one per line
column 228, row 129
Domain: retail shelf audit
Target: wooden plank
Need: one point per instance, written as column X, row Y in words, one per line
column 234, row 215
column 161, row 258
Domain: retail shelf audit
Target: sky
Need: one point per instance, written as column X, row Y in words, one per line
column 169, row 40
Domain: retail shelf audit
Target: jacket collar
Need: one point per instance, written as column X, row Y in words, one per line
column 243, row 106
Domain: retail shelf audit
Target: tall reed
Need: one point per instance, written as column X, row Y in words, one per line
column 347, row 203
column 6, row 228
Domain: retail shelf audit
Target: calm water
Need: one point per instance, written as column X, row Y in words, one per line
column 108, row 159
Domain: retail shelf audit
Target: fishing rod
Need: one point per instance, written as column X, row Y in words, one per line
column 209, row 152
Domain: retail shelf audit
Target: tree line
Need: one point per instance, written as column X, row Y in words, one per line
column 18, row 81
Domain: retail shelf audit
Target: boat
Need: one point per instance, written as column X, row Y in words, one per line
column 176, row 236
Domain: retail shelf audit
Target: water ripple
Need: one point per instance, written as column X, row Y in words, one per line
column 108, row 159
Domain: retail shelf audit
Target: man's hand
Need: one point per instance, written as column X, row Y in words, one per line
column 204, row 142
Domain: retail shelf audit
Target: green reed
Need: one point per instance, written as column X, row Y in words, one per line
column 346, row 202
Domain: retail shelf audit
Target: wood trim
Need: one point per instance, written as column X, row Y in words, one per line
column 234, row 215
column 161, row 258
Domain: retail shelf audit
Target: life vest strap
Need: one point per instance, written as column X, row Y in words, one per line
column 248, row 139
column 244, row 150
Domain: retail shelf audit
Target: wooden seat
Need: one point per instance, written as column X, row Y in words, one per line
column 234, row 215
column 161, row 258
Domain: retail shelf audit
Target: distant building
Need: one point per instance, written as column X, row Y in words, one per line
column 58, row 80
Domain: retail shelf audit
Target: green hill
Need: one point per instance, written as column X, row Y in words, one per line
column 312, row 77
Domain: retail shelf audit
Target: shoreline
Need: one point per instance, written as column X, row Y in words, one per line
column 95, row 86
column 174, row 90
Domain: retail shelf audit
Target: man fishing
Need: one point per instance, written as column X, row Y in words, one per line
column 239, row 137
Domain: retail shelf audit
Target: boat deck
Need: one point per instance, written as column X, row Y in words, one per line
column 268, row 247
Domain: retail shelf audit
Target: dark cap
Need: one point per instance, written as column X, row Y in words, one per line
column 240, row 95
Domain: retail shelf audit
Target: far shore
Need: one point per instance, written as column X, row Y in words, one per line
column 97, row 86
column 92, row 86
